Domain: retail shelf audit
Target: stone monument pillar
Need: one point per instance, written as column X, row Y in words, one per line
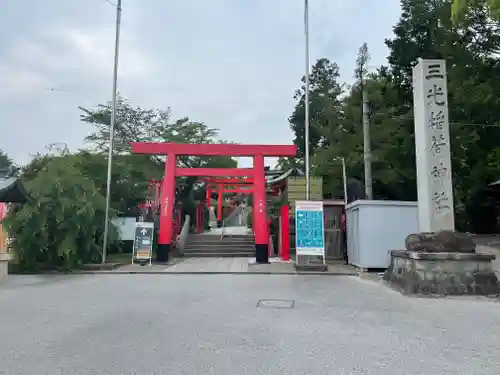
column 432, row 147
column 437, row 260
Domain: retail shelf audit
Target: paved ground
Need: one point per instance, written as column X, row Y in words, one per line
column 235, row 265
column 209, row 324
column 228, row 265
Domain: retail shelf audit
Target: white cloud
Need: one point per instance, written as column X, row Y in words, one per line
column 79, row 52
column 232, row 64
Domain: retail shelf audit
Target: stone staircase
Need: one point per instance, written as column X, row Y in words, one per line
column 212, row 245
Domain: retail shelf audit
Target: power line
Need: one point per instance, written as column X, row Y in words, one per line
column 110, row 2
column 404, row 117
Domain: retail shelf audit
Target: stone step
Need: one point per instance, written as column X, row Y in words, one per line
column 218, row 249
column 218, row 239
column 235, row 245
column 223, row 239
column 219, row 246
column 220, row 255
column 226, row 235
column 214, row 240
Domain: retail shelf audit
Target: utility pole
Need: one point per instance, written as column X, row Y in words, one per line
column 112, row 130
column 306, row 100
column 344, row 180
column 361, row 69
column 367, row 152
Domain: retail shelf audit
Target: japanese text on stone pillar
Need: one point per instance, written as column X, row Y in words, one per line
column 437, row 124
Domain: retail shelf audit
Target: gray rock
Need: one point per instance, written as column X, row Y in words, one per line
column 440, row 242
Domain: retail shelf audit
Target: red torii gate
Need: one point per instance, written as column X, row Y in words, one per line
column 172, row 150
column 241, row 185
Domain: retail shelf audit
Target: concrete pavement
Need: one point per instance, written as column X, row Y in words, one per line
column 200, row 324
column 225, row 265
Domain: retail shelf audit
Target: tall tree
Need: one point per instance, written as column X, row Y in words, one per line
column 362, row 60
column 324, row 104
column 62, row 226
column 425, row 30
column 5, row 161
column 135, row 124
column 461, row 8
column 130, row 176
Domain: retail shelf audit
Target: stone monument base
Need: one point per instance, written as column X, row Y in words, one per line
column 442, row 274
column 310, row 263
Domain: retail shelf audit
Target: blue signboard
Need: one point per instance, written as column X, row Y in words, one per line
column 309, row 228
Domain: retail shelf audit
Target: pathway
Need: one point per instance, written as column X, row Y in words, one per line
column 210, row 265
column 225, row 265
column 152, row 325
column 248, row 265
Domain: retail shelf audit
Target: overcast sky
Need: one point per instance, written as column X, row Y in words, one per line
column 233, row 64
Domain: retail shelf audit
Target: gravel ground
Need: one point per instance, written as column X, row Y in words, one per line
column 209, row 324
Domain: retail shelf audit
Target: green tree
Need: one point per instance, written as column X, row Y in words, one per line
column 62, row 226
column 425, row 30
column 5, row 161
column 285, row 163
column 130, row 176
column 135, row 124
column 392, row 148
column 324, row 105
column 461, row 8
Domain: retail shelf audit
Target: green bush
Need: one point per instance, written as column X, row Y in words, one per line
column 63, row 226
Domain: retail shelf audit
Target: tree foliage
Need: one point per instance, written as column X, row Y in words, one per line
column 5, row 160
column 461, row 8
column 135, row 124
column 324, row 103
column 424, row 30
column 62, row 226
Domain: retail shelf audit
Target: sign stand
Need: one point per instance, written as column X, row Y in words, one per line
column 309, row 236
column 143, row 243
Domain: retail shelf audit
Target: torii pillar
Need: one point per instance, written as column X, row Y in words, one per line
column 260, row 211
column 167, row 209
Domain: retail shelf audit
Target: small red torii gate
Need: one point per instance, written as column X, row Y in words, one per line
column 256, row 173
column 238, row 185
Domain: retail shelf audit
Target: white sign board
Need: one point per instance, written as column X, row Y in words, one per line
column 143, row 242
column 432, row 146
column 309, row 228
